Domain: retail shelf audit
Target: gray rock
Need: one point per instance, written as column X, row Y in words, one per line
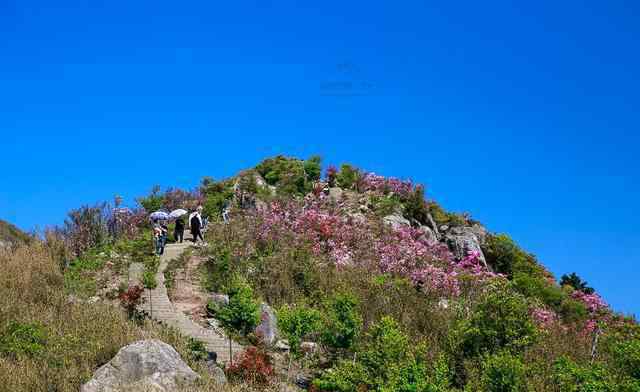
column 335, row 193
column 481, row 233
column 443, row 303
column 303, row 380
column 396, row 221
column 309, row 347
column 220, row 299
column 216, row 373
column 282, row 345
column 143, row 365
column 462, row 241
column 267, row 330
column 428, row 235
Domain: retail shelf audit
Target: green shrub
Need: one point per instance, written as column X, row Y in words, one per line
column 297, row 323
column 216, row 195
column 385, row 205
column 573, row 280
column 348, row 176
column 342, row 321
column 22, row 339
column 313, row 168
column 415, row 206
column 197, row 350
column 570, row 377
column 501, row 321
column 291, row 176
column 536, row 286
column 241, row 315
column 387, row 362
column 154, row 201
column 503, row 372
column 218, row 269
column 626, row 356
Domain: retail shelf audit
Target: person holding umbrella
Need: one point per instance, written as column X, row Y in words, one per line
column 178, row 232
column 196, row 225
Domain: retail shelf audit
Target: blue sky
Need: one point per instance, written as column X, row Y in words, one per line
column 524, row 115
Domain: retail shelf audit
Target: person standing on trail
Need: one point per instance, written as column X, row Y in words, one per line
column 157, row 238
column 178, row 232
column 225, row 211
column 196, row 226
column 163, row 236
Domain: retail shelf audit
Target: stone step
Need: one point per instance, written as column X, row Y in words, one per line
column 158, row 305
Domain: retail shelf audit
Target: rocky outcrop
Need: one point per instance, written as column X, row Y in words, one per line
column 144, row 365
column 396, row 221
column 216, row 373
column 267, row 330
column 462, row 241
column 428, row 235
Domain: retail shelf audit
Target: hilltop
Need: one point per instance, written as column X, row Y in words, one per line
column 329, row 279
column 10, row 235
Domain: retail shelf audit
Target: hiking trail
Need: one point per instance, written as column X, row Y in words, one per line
column 158, row 305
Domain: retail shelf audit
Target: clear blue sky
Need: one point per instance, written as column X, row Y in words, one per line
column 524, row 115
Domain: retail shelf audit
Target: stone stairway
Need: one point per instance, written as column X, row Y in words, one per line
column 160, row 308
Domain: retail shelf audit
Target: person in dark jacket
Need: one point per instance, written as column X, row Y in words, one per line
column 196, row 226
column 178, row 232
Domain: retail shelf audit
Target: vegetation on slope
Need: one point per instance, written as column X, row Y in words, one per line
column 390, row 309
column 10, row 235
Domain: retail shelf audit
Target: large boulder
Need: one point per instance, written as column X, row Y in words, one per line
column 149, row 365
column 396, row 221
column 267, row 330
column 428, row 235
column 462, row 241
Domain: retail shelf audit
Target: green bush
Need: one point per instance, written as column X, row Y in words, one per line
column 503, row 372
column 197, row 350
column 216, row 195
column 571, row 377
column 297, row 323
column 22, row 340
column 626, row 356
column 348, row 177
column 501, row 321
column 342, row 322
column 241, row 315
column 415, row 206
column 573, row 280
column 154, row 201
column 291, row 176
column 313, row 168
column 387, row 362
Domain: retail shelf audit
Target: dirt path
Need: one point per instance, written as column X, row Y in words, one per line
column 160, row 308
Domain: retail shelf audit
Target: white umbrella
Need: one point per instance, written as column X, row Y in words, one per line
column 159, row 215
column 177, row 213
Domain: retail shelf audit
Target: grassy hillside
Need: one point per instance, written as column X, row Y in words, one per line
column 10, row 234
column 367, row 277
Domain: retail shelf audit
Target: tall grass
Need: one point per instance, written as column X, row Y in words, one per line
column 78, row 337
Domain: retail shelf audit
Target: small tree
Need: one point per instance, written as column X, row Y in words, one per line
column 342, row 322
column 241, row 315
column 576, row 282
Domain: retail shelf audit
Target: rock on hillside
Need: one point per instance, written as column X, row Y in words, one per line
column 143, row 365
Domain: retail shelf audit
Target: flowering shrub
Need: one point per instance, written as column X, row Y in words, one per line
column 402, row 251
column 385, row 185
column 252, row 365
column 544, row 318
column 130, row 299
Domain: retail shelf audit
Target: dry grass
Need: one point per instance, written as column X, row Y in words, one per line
column 80, row 337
